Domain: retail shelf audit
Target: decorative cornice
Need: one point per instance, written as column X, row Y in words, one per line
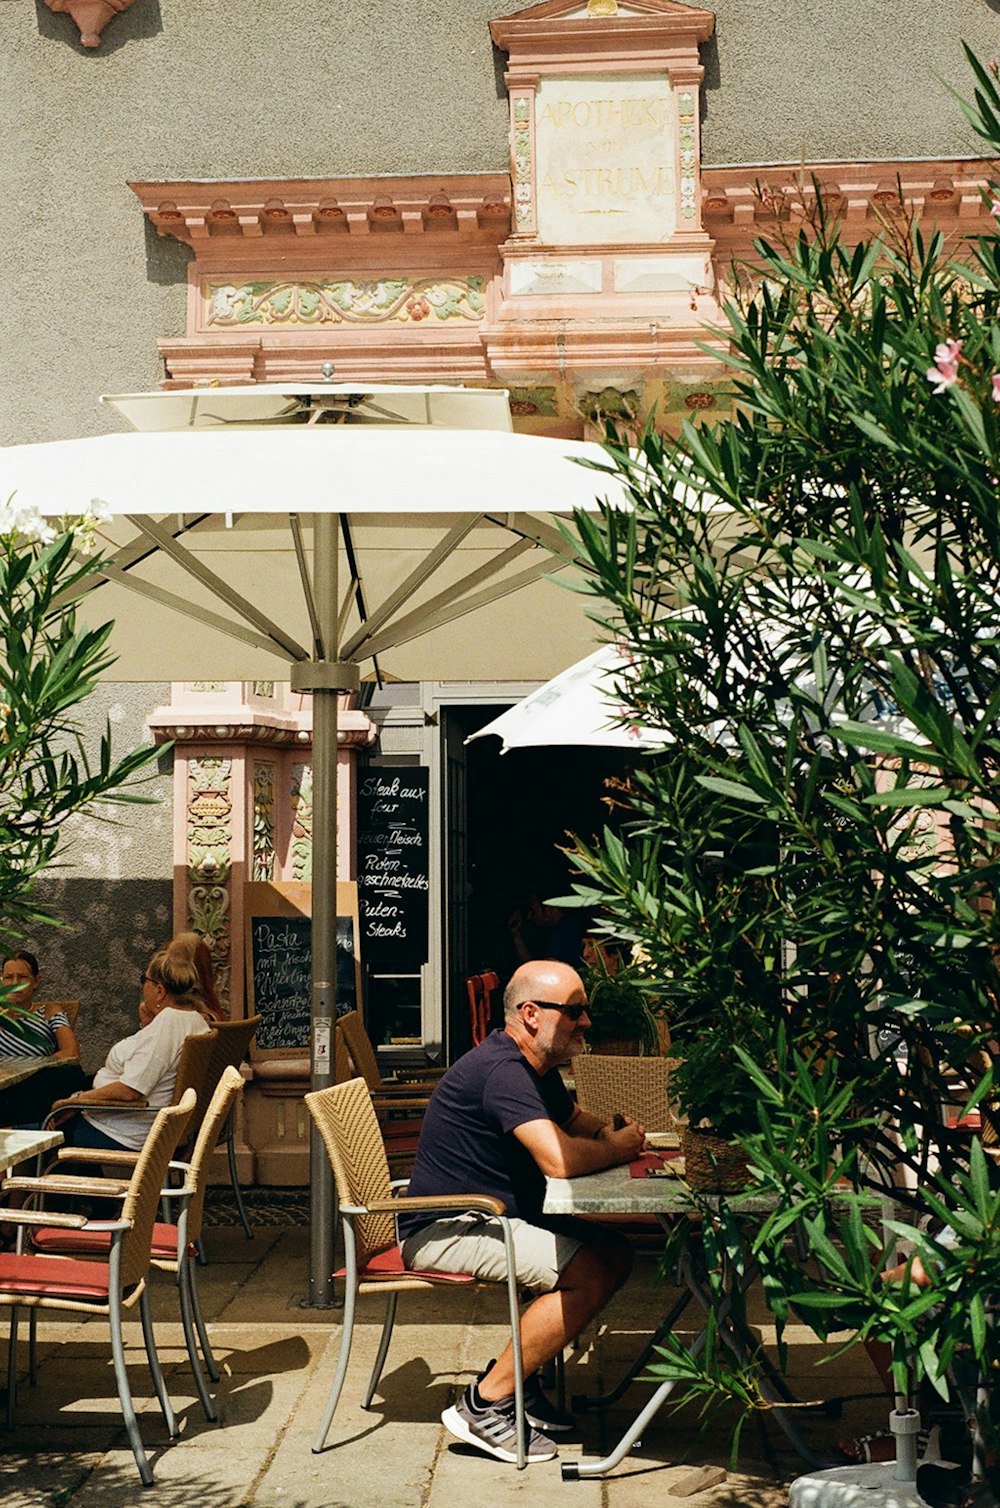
column 466, row 207
column 256, row 734
column 562, row 31
column 740, row 204
column 227, row 733
column 188, row 724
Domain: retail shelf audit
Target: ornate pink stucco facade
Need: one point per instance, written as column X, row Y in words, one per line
column 583, row 282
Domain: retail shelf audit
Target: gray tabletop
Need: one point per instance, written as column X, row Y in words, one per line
column 616, row 1192
column 16, row 1070
column 19, row 1146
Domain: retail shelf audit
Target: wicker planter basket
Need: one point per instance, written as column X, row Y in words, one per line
column 711, row 1163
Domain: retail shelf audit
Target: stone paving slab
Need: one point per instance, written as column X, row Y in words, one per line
column 277, row 1360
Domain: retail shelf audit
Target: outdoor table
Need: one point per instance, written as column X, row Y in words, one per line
column 16, row 1070
column 19, row 1146
column 615, row 1192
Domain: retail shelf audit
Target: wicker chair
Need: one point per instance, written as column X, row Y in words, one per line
column 348, row 1125
column 173, row 1241
column 399, row 1107
column 70, row 1007
column 420, row 1082
column 639, row 1087
column 232, row 1046
column 193, row 1069
column 32, row 1281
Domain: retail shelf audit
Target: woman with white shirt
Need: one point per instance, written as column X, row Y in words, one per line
column 143, row 1067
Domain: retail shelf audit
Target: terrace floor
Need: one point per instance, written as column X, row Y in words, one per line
column 277, row 1358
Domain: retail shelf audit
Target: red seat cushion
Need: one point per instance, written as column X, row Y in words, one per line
column 388, row 1264
column 53, row 1277
column 96, row 1243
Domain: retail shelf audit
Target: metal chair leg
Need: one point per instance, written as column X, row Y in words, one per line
column 211, row 1365
column 156, row 1372
column 383, row 1347
column 347, row 1333
column 514, row 1307
column 32, row 1347
column 125, row 1393
column 234, row 1178
column 190, row 1339
column 12, row 1367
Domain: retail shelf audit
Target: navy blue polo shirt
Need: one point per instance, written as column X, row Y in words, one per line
column 467, row 1142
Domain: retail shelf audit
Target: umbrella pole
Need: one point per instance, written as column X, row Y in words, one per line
column 326, row 678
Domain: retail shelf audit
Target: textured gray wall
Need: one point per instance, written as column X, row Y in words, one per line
column 834, row 80
column 231, row 89
column 222, row 89
column 111, row 887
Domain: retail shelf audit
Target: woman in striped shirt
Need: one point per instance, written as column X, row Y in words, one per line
column 27, row 1032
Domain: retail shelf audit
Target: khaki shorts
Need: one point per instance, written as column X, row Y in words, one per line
column 473, row 1243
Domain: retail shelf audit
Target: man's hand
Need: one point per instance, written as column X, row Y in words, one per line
column 626, row 1144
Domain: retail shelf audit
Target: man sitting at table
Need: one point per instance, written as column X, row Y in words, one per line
column 499, row 1122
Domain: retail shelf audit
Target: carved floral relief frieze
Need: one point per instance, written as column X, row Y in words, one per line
column 209, row 864
column 688, row 143
column 263, row 822
column 302, row 816
column 522, row 163
column 335, row 301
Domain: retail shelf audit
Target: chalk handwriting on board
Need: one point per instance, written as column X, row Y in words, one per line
column 392, row 866
column 281, row 955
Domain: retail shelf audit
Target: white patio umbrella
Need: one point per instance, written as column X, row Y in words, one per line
column 583, row 706
column 301, row 531
column 580, row 706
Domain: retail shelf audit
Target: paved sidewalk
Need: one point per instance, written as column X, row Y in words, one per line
column 277, row 1359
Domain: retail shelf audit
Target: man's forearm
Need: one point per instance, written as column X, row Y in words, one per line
column 585, row 1123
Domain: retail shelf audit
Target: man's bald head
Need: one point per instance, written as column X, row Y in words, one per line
column 540, row 979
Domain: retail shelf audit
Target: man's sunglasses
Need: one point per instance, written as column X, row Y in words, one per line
column 574, row 1012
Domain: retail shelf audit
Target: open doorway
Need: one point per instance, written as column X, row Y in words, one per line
column 505, row 815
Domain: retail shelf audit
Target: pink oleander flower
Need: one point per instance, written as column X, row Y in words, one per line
column 995, row 379
column 995, row 209
column 944, row 372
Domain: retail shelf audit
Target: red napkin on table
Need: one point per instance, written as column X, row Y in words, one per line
column 637, row 1169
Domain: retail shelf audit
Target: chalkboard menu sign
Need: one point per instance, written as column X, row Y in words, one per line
column 392, row 866
column 279, row 963
column 281, row 952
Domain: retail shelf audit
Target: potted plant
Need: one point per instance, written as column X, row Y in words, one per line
column 619, row 1009
column 718, row 1096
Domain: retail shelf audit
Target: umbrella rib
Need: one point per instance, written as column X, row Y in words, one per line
column 357, row 588
column 307, row 587
column 214, row 583
column 428, row 565
column 346, row 606
column 537, row 530
column 445, row 608
column 188, row 609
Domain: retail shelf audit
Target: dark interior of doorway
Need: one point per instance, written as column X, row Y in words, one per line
column 519, row 807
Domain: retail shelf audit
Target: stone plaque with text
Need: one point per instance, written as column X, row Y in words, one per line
column 605, row 159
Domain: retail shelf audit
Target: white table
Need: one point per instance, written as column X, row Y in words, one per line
column 19, row 1146
column 616, row 1192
